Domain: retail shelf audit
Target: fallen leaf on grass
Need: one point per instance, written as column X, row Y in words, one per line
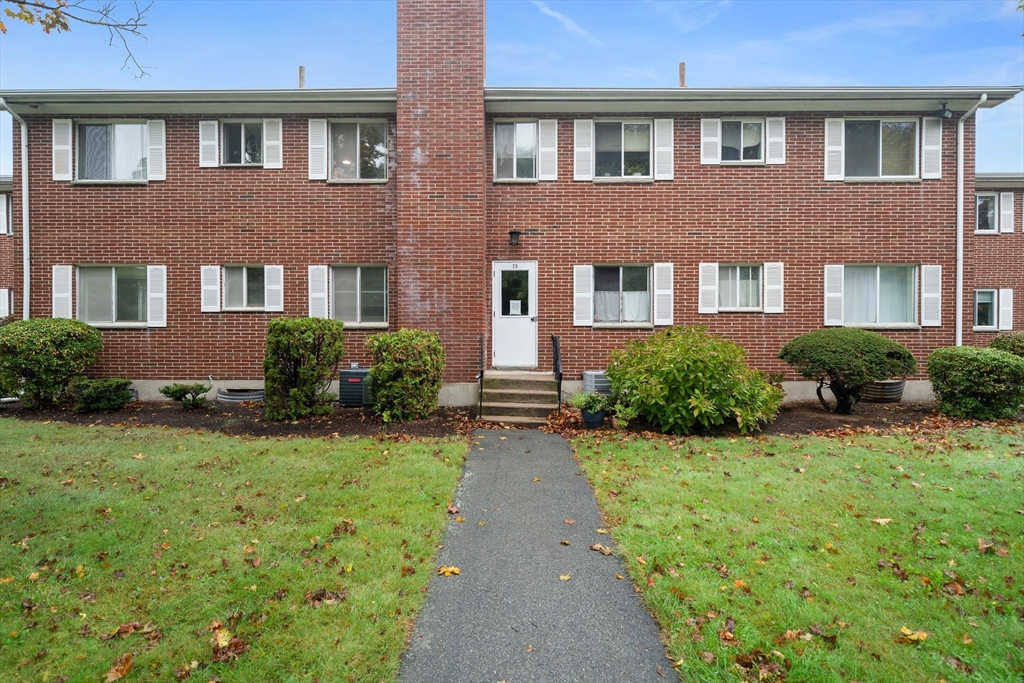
column 184, row 671
column 564, row 577
column 604, row 550
column 407, row 570
column 641, row 560
column 966, row 640
column 742, row 585
column 984, row 546
column 139, row 456
column 322, row 596
column 445, row 570
column 959, row 665
column 882, row 521
column 708, row 657
column 122, row 665
column 226, row 646
column 908, row 637
column 6, row 579
column 728, row 634
column 758, row 666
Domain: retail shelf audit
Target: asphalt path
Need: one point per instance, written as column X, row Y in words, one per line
column 510, row 614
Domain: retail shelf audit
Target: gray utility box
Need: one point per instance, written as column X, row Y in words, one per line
column 594, row 382
column 354, row 388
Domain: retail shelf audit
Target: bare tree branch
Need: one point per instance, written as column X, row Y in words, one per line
column 122, row 20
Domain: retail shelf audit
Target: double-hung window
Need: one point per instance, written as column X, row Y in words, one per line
column 624, row 150
column 355, row 294
column 740, row 288
column 241, row 143
column 348, row 151
column 6, row 209
column 117, row 295
column 628, row 295
column 883, row 148
column 993, row 310
column 743, row 141
column 995, row 213
column 242, row 288
column 883, row 295
column 515, row 150
column 109, row 151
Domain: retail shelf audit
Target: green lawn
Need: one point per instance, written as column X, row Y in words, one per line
column 313, row 554
column 779, row 535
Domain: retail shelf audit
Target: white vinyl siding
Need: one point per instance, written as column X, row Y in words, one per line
column 1006, row 212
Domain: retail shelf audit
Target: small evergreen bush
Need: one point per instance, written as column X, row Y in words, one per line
column 684, row 379
column 40, row 357
column 408, row 367
column 188, row 395
column 301, row 360
column 972, row 382
column 101, row 394
column 590, row 402
column 846, row 359
column 1011, row 342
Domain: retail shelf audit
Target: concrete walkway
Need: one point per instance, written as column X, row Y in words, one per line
column 508, row 616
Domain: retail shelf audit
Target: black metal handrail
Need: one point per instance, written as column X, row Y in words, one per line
column 480, row 377
column 556, row 362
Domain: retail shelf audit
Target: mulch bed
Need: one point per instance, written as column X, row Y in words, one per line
column 247, row 419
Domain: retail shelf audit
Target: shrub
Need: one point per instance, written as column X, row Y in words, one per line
column 971, row 382
column 592, row 403
column 684, row 378
column 40, row 357
column 845, row 360
column 407, row 372
column 1011, row 342
column 101, row 394
column 300, row 362
column 188, row 395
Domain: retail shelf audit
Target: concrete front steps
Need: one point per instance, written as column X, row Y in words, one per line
column 518, row 397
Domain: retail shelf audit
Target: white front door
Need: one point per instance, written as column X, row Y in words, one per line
column 514, row 333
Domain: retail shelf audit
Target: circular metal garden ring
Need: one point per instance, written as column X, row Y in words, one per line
column 239, row 395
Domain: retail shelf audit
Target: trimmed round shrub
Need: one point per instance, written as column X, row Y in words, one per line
column 101, row 394
column 684, row 379
column 408, row 367
column 972, row 382
column 846, row 359
column 40, row 357
column 301, row 360
column 188, row 395
column 1011, row 342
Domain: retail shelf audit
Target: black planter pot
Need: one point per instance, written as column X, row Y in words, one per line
column 592, row 420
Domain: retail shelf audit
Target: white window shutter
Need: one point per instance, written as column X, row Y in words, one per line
column 156, row 164
column 664, row 150
column 62, row 135
column 707, row 300
column 318, row 153
column 773, row 288
column 4, row 220
column 318, row 284
column 582, row 296
column 273, row 288
column 833, row 296
column 1006, row 212
column 775, row 140
column 209, row 278
column 547, row 149
column 273, row 156
column 5, row 302
column 156, row 290
column 62, row 278
column 663, row 290
column 209, row 150
column 583, row 151
column 711, row 141
column 931, row 296
column 1005, row 309
column 931, row 148
column 835, row 159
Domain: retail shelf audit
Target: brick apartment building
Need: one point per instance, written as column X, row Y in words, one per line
column 180, row 222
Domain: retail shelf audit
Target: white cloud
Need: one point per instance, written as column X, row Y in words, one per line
column 690, row 16
column 569, row 25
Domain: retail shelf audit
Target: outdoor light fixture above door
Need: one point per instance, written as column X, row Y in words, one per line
column 513, row 237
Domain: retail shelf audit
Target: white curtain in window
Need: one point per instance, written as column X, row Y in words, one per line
column 859, row 295
column 606, row 307
column 896, row 294
column 636, row 307
column 129, row 152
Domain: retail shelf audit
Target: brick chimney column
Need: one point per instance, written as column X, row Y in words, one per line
column 440, row 275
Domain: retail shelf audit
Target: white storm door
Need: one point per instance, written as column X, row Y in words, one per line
column 514, row 332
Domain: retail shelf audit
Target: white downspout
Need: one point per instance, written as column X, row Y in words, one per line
column 960, row 218
column 26, row 275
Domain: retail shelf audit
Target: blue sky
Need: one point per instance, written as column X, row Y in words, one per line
column 198, row 44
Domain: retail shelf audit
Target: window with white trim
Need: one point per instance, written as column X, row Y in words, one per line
column 117, row 295
column 243, row 287
column 987, row 216
column 742, row 287
column 359, row 150
column 622, row 149
column 883, row 295
column 743, row 141
column 896, row 148
column 255, row 142
column 993, row 310
column 108, row 151
column 359, row 294
column 251, row 287
column 242, row 143
column 627, row 294
column 6, row 302
column 6, row 209
column 515, row 150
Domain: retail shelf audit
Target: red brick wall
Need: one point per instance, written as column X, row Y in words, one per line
column 203, row 216
column 726, row 214
column 993, row 262
column 441, row 187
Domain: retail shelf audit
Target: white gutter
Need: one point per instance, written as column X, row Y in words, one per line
column 960, row 218
column 26, row 275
